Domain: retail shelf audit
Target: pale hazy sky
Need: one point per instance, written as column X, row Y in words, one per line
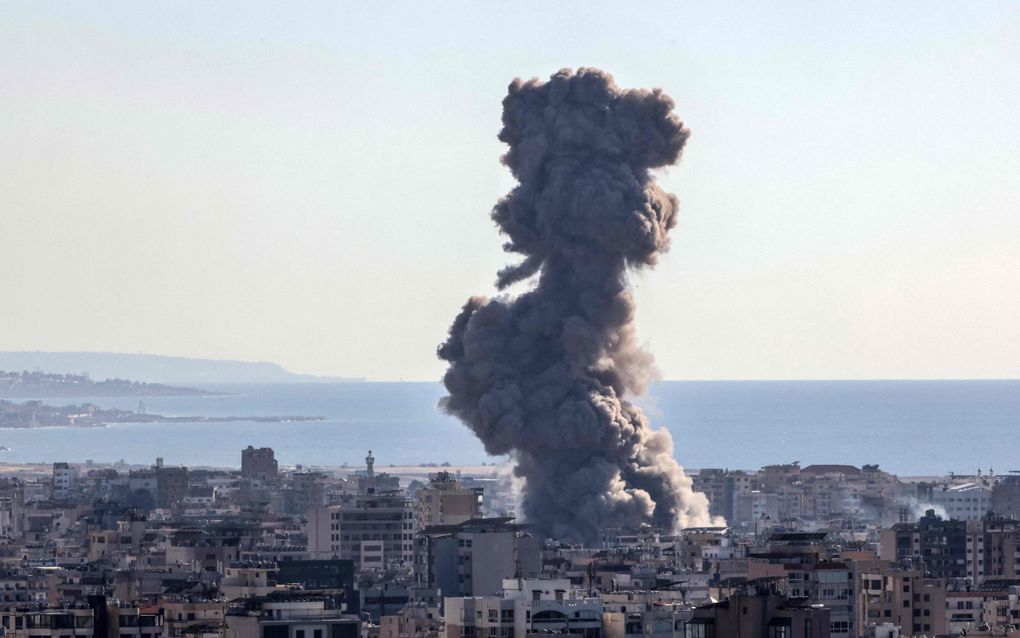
column 309, row 183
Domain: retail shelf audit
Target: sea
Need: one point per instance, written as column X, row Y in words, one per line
column 910, row 428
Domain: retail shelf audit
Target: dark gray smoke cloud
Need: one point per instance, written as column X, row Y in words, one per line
column 544, row 376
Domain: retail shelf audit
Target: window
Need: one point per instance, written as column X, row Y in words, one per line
column 703, row 629
column 779, row 631
column 300, row 633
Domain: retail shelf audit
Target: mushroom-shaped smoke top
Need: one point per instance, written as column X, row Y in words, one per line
column 544, row 376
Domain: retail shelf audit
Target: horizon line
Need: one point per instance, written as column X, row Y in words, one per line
column 342, row 378
column 750, row 380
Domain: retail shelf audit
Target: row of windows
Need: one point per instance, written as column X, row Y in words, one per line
column 370, row 537
column 354, row 549
column 370, row 525
column 374, row 516
column 707, row 630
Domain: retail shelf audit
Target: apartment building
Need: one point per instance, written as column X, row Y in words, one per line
column 905, row 598
column 445, row 502
column 474, row 557
column 526, row 608
column 291, row 615
column 374, row 531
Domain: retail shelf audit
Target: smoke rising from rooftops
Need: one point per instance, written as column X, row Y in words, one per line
column 545, row 376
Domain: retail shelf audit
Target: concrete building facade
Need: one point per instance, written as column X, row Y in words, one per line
column 374, row 531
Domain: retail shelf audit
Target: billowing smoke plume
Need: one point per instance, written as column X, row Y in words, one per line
column 544, row 376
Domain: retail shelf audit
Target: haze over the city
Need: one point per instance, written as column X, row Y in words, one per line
column 311, row 185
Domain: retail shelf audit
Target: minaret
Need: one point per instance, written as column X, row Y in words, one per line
column 369, row 462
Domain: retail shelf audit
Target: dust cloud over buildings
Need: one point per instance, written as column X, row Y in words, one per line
column 545, row 376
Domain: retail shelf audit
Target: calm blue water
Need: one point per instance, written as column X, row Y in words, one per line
column 908, row 427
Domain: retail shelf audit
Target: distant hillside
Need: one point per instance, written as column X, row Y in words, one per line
column 43, row 384
column 150, row 368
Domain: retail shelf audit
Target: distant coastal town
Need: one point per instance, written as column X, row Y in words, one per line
column 36, row 414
